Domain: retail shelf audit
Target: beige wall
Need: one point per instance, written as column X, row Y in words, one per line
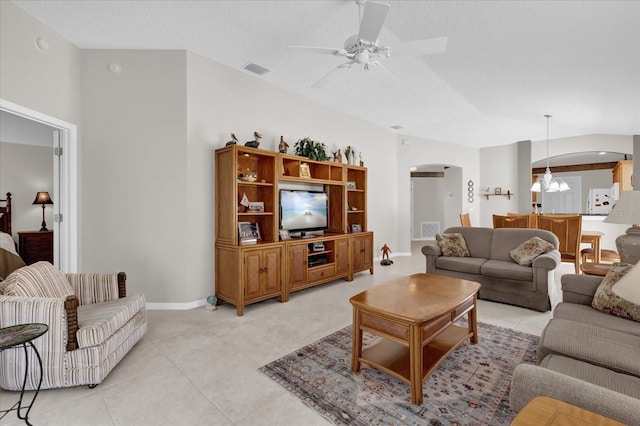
column 25, row 170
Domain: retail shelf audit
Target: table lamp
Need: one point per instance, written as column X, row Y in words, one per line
column 627, row 212
column 44, row 199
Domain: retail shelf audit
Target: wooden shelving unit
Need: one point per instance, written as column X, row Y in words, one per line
column 271, row 268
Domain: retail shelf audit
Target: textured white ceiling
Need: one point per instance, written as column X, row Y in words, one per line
column 507, row 63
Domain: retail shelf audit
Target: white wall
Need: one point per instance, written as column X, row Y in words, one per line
column 427, row 192
column 499, row 168
column 25, row 170
column 415, row 152
column 586, row 143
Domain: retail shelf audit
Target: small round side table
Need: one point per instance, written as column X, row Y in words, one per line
column 13, row 337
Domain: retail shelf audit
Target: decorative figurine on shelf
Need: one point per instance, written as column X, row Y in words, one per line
column 385, row 256
column 254, row 143
column 339, row 156
column 282, row 147
column 233, row 140
column 361, row 162
column 349, row 153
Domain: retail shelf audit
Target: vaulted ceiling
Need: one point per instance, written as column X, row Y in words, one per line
column 506, row 64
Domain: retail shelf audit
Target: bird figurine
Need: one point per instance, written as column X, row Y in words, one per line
column 256, row 142
column 233, row 140
column 282, row 147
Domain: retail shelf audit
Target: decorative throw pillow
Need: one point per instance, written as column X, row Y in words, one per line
column 453, row 245
column 526, row 252
column 41, row 279
column 605, row 299
column 628, row 287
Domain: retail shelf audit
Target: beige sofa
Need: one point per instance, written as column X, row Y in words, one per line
column 587, row 358
column 490, row 264
column 92, row 325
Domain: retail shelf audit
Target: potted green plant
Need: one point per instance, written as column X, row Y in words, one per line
column 311, row 149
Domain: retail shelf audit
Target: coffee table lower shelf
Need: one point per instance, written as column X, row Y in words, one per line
column 394, row 358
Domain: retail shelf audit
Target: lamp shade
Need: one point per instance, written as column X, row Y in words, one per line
column 627, row 209
column 42, row 198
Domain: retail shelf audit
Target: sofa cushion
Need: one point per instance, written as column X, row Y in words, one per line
column 469, row 265
column 628, row 287
column 605, row 299
column 453, row 245
column 526, row 252
column 585, row 314
column 596, row 345
column 506, row 239
column 623, row 383
column 40, row 279
column 478, row 239
column 98, row 321
column 508, row 270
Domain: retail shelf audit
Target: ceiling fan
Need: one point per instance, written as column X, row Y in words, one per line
column 363, row 48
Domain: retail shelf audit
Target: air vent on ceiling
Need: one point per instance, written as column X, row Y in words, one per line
column 396, row 127
column 256, row 69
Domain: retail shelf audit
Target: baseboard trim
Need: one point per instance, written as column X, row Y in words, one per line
column 175, row 306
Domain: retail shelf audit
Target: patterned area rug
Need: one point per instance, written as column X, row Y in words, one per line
column 471, row 387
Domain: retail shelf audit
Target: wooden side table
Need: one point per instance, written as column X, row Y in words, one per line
column 599, row 269
column 543, row 410
column 35, row 246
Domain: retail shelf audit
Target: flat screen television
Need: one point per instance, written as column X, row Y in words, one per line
column 302, row 210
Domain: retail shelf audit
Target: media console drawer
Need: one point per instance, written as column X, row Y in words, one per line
column 318, row 273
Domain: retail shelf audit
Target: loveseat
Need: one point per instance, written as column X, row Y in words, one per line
column 588, row 358
column 92, row 325
column 490, row 264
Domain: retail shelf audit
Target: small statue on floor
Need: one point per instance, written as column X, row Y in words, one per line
column 385, row 256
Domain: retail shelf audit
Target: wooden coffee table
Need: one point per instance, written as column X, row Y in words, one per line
column 415, row 316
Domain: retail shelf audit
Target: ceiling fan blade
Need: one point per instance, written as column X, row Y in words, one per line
column 328, row 77
column 420, row 47
column 373, row 18
column 320, row 50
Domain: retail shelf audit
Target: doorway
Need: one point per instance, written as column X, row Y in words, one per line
column 65, row 189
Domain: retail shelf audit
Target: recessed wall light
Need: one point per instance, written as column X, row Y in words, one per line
column 42, row 43
column 114, row 67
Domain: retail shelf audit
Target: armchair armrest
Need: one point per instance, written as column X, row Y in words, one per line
column 98, row 288
column 431, row 251
column 579, row 289
column 548, row 261
column 530, row 381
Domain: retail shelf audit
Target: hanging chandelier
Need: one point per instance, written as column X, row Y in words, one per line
column 548, row 182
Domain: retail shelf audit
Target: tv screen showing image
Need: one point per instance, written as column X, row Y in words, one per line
column 303, row 210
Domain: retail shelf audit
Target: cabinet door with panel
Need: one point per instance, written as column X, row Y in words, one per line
column 297, row 265
column 342, row 256
column 362, row 252
column 261, row 272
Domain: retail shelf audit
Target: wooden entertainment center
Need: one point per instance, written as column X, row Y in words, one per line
column 271, row 267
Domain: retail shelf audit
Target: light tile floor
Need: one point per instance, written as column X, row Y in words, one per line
column 199, row 367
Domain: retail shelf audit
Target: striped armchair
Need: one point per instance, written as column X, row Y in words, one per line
column 92, row 325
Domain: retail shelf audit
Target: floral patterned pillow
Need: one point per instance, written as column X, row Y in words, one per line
column 605, row 299
column 526, row 252
column 453, row 245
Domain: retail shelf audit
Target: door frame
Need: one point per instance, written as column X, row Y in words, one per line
column 65, row 185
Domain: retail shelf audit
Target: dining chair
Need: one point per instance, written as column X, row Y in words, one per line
column 465, row 220
column 568, row 229
column 511, row 221
column 533, row 218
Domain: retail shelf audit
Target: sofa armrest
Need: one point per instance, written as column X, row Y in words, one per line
column 431, row 251
column 98, row 288
column 530, row 381
column 548, row 261
column 579, row 289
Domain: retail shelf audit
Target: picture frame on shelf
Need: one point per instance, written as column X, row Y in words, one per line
column 284, row 235
column 256, row 206
column 356, row 227
column 351, row 185
column 248, row 232
column 305, row 172
column 498, row 190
